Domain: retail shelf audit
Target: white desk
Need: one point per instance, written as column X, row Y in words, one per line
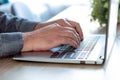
column 15, row 70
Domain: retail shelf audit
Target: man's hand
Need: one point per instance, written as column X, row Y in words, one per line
column 64, row 23
column 52, row 35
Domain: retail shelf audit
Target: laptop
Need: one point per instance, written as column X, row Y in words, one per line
column 94, row 49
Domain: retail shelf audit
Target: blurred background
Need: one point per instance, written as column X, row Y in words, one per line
column 37, row 10
column 43, row 10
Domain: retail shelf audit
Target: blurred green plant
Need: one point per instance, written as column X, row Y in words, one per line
column 119, row 13
column 100, row 11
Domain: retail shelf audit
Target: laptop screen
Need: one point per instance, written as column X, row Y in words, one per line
column 105, row 14
column 112, row 25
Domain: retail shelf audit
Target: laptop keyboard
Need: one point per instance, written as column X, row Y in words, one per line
column 82, row 52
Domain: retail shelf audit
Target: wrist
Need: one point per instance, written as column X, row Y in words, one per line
column 26, row 42
column 38, row 26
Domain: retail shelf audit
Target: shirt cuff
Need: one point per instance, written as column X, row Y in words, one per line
column 10, row 43
column 27, row 26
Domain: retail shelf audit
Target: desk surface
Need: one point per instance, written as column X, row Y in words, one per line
column 15, row 70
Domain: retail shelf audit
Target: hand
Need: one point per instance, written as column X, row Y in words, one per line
column 64, row 23
column 50, row 36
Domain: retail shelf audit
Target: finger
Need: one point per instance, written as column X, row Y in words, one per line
column 77, row 27
column 69, row 33
column 68, row 41
column 73, row 34
column 63, row 23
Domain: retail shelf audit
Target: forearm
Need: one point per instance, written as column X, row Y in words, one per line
column 10, row 43
column 9, row 23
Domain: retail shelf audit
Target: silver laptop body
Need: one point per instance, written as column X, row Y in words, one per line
column 94, row 49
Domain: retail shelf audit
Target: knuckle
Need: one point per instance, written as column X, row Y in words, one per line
column 61, row 19
column 58, row 27
column 68, row 33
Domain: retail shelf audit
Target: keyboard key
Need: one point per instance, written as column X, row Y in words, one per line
column 82, row 52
